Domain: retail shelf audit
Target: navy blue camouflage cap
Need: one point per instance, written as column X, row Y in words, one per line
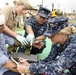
column 43, row 12
column 73, row 24
column 55, row 25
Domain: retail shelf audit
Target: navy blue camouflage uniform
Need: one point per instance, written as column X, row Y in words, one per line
column 60, row 58
column 38, row 31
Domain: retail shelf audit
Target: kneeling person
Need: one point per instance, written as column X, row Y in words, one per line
column 6, row 65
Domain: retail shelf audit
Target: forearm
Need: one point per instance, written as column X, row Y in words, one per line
column 9, row 32
column 43, row 68
column 29, row 30
column 41, row 37
column 10, row 65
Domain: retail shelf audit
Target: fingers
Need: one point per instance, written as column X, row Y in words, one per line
column 41, row 45
column 19, row 69
column 38, row 45
column 24, row 42
column 31, row 42
column 22, row 60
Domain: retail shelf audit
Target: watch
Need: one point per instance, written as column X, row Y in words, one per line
column 27, row 71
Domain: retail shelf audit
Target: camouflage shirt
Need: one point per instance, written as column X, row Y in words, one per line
column 37, row 29
column 60, row 58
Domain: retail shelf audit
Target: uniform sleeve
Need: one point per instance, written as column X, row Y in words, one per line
column 52, row 55
column 3, row 58
column 9, row 40
column 6, row 13
column 28, row 22
column 55, row 50
column 55, row 67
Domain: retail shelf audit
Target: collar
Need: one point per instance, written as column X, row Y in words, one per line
column 13, row 11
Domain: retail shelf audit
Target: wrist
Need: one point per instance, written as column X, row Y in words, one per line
column 31, row 35
column 27, row 71
column 14, row 35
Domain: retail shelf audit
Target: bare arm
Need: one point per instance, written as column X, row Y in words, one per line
column 9, row 32
column 9, row 65
column 29, row 29
column 41, row 37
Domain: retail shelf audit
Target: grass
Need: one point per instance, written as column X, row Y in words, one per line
column 71, row 21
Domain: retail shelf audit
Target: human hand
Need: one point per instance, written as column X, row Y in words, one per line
column 38, row 44
column 23, row 61
column 30, row 38
column 23, row 69
column 22, row 40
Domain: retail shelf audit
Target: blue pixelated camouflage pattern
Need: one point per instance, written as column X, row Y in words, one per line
column 43, row 12
column 37, row 29
column 55, row 25
column 60, row 58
